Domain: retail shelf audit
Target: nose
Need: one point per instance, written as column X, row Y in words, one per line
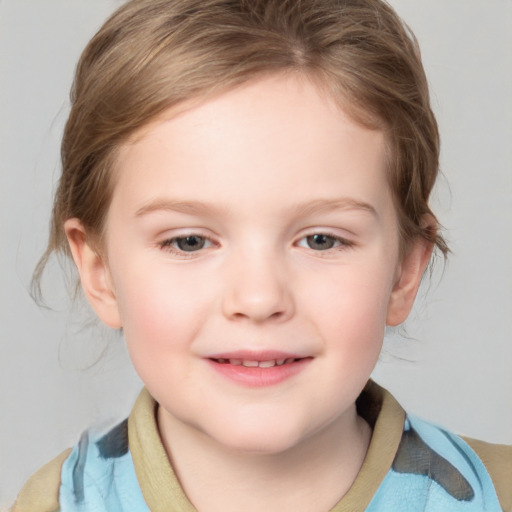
column 257, row 289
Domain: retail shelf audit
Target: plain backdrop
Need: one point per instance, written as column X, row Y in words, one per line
column 452, row 366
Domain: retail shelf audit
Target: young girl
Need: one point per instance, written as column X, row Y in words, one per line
column 244, row 193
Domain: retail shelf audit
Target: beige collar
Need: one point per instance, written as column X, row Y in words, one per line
column 162, row 490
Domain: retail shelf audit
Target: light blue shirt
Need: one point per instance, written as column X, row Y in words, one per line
column 433, row 471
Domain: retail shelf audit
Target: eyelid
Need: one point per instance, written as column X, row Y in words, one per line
column 344, row 242
column 166, row 244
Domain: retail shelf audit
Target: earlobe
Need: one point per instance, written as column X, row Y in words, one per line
column 408, row 281
column 94, row 274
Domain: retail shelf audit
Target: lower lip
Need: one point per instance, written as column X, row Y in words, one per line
column 257, row 377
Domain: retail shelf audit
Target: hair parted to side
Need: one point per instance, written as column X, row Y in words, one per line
column 151, row 55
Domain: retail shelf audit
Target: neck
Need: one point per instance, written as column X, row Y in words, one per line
column 311, row 476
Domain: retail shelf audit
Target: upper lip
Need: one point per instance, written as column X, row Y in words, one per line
column 251, row 355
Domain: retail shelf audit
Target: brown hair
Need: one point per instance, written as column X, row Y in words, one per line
column 151, row 55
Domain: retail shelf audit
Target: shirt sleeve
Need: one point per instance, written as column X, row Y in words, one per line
column 41, row 492
column 497, row 459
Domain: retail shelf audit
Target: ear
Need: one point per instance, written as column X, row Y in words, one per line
column 94, row 274
column 408, row 279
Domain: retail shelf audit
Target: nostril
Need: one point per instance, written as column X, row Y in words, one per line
column 258, row 300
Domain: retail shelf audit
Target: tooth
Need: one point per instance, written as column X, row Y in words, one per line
column 290, row 360
column 235, row 362
column 280, row 362
column 267, row 364
column 222, row 361
column 250, row 364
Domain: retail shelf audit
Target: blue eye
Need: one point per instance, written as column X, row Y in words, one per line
column 191, row 243
column 323, row 242
column 320, row 242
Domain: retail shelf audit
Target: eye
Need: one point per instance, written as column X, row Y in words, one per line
column 323, row 242
column 190, row 243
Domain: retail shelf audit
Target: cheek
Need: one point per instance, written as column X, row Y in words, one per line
column 160, row 310
column 157, row 330
column 351, row 304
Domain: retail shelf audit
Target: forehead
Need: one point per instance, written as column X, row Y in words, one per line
column 282, row 136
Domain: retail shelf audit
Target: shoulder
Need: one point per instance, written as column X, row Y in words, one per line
column 497, row 459
column 97, row 475
column 466, row 470
column 41, row 492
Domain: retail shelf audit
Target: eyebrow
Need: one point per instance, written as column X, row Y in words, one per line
column 188, row 207
column 342, row 203
column 203, row 208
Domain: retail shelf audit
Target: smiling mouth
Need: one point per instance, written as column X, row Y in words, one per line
column 259, row 370
column 253, row 363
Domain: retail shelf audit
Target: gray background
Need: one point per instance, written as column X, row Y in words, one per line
column 453, row 367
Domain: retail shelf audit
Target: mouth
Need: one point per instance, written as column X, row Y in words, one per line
column 258, row 370
column 253, row 363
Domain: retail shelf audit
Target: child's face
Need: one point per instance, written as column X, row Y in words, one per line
column 258, row 226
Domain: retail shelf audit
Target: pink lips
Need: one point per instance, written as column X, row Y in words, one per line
column 258, row 369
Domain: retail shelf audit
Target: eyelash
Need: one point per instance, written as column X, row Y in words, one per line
column 343, row 243
column 168, row 244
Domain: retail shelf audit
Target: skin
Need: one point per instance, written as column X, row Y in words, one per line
column 287, row 203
